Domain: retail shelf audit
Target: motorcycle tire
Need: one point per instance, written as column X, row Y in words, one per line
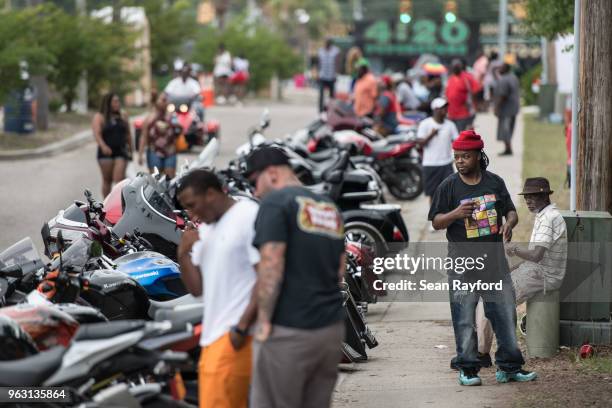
column 406, row 183
column 362, row 232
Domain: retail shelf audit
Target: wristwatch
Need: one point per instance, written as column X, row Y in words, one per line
column 238, row 330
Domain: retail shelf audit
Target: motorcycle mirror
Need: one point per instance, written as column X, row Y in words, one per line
column 61, row 244
column 45, row 233
column 95, row 250
column 265, row 119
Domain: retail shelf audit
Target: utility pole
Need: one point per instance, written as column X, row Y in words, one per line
column 82, row 95
column 594, row 111
column 503, row 28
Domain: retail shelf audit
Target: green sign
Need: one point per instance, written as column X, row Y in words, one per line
column 384, row 37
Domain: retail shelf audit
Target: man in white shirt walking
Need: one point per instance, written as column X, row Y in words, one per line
column 436, row 135
column 218, row 262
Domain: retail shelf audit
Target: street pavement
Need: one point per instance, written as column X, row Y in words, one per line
column 33, row 191
column 405, row 370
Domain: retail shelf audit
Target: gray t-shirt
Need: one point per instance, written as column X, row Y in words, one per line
column 508, row 85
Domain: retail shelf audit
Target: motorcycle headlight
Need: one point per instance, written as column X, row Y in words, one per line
column 373, row 185
column 184, row 108
column 171, row 107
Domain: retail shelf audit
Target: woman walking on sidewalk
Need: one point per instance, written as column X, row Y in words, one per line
column 111, row 128
column 159, row 138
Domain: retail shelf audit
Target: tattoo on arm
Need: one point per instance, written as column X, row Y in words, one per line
column 271, row 269
column 342, row 269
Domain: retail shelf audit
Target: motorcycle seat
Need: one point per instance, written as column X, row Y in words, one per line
column 323, row 155
column 32, row 370
column 323, row 169
column 105, row 330
column 182, row 315
column 187, row 299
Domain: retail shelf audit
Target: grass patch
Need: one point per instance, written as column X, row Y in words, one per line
column 61, row 126
column 544, row 155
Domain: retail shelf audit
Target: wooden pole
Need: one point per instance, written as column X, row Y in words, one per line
column 594, row 164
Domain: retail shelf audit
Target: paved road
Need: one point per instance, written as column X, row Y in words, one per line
column 32, row 191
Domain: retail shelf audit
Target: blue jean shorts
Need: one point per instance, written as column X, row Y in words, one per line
column 154, row 160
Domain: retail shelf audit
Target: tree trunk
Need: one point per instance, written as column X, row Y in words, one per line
column 594, row 164
column 42, row 102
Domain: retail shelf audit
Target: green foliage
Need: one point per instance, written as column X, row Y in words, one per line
column 170, row 26
column 19, row 45
column 62, row 46
column 322, row 13
column 526, row 80
column 267, row 52
column 549, row 18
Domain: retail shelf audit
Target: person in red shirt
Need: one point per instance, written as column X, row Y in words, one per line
column 460, row 90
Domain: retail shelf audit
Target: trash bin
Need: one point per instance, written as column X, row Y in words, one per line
column 543, row 324
column 18, row 112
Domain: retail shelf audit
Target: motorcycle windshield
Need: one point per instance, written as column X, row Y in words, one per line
column 158, row 202
column 76, row 256
column 24, row 254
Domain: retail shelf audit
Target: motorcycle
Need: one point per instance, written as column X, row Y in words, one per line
column 103, row 354
column 395, row 158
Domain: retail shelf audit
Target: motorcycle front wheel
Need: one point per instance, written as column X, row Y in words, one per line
column 406, row 180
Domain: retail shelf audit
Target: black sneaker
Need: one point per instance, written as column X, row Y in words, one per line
column 506, row 153
column 523, row 325
column 485, row 361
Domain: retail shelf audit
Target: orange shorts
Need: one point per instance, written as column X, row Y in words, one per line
column 224, row 374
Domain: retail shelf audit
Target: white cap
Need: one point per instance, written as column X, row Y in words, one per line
column 397, row 76
column 438, row 103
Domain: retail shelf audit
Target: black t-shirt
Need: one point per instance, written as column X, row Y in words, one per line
column 478, row 235
column 313, row 230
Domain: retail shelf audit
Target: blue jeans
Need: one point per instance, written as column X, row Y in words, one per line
column 500, row 309
column 153, row 160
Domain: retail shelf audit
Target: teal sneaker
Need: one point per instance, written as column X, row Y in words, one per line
column 519, row 376
column 469, row 377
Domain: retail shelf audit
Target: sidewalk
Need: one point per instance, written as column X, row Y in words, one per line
column 406, row 369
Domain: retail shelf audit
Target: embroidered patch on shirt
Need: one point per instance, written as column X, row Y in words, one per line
column 319, row 217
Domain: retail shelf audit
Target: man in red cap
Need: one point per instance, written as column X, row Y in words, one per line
column 388, row 107
column 472, row 205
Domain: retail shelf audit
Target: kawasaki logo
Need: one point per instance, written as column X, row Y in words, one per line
column 146, row 275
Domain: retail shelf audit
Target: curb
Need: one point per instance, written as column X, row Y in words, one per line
column 74, row 142
column 51, row 149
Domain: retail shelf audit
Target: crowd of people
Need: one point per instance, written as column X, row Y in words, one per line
column 273, row 314
column 398, row 98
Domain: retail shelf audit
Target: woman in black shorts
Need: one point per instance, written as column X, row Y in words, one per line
column 111, row 128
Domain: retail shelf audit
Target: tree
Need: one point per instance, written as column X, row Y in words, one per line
column 322, row 13
column 267, row 52
column 18, row 46
column 171, row 26
column 594, row 164
column 549, row 18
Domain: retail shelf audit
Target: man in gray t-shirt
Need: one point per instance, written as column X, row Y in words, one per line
column 506, row 106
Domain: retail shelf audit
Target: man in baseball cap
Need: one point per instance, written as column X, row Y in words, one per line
column 436, row 134
column 475, row 208
column 300, row 237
